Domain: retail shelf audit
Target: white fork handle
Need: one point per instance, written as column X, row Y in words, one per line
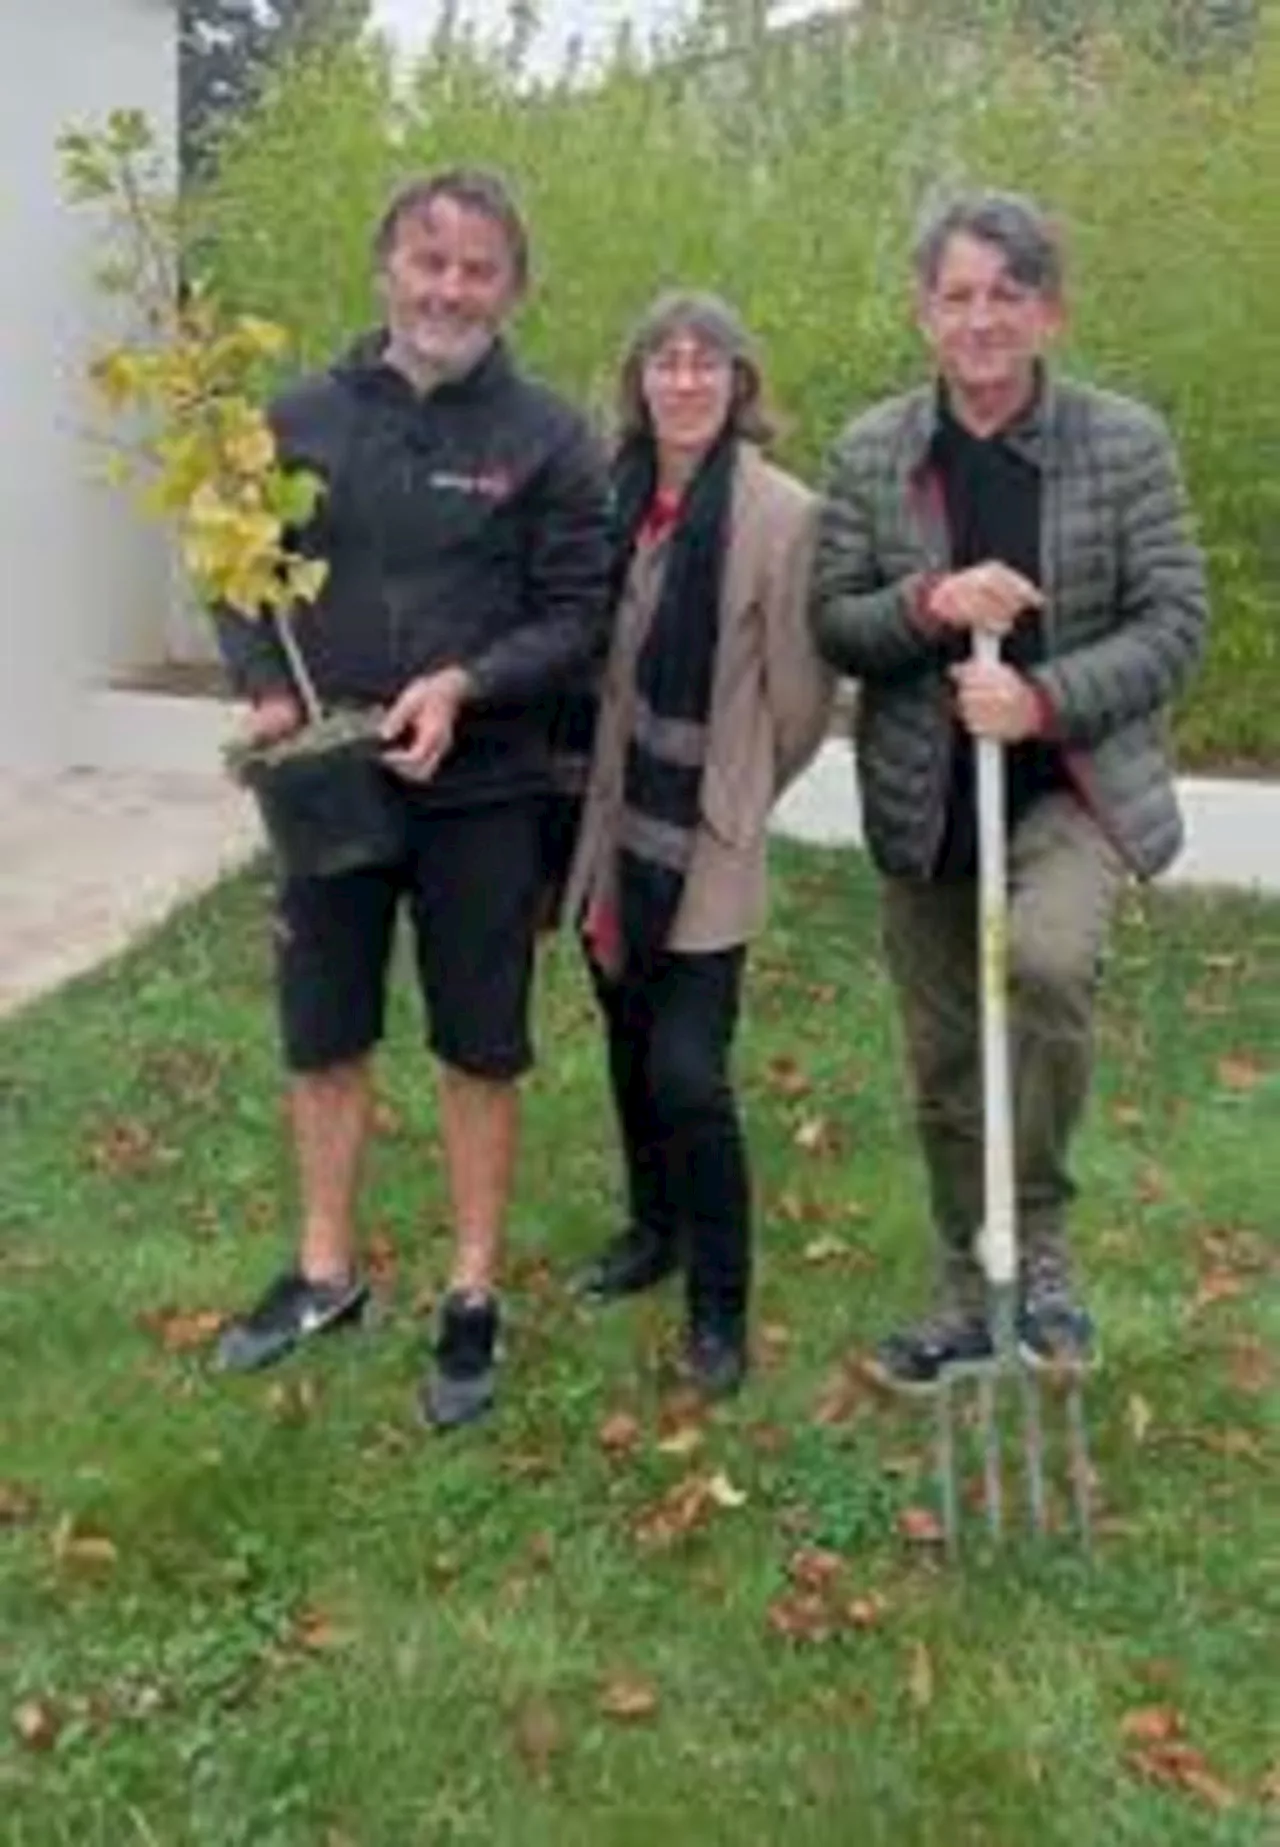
column 997, row 1242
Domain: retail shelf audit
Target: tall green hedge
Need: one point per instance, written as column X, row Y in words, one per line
column 791, row 182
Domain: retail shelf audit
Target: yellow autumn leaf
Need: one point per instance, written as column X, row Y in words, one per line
column 116, row 377
column 262, row 336
column 307, row 578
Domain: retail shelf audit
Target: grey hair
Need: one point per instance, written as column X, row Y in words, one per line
column 708, row 318
column 475, row 189
column 1010, row 222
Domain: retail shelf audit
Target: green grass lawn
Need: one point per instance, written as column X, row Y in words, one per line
column 272, row 1612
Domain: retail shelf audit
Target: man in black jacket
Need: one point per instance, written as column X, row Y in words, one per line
column 465, row 529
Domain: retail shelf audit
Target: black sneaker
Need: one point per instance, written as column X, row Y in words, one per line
column 715, row 1361
column 1056, row 1335
column 948, row 1344
column 460, row 1385
column 291, row 1311
column 637, row 1259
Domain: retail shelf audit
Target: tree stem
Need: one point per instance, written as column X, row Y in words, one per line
column 305, row 685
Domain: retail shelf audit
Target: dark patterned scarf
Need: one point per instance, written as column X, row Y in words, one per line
column 666, row 751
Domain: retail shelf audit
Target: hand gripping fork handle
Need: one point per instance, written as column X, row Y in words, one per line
column 997, row 1244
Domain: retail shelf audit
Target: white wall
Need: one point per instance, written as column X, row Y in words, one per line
column 86, row 586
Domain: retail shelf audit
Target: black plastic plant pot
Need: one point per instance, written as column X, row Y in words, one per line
column 328, row 805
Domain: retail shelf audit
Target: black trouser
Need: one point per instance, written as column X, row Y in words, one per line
column 669, row 1035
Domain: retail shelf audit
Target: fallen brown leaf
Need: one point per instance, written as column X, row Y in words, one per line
column 184, row 1073
column 37, row 1724
column 920, row 1678
column 619, row 1434
column 1153, row 1186
column 802, row 1209
column 1217, row 1286
column 767, row 1439
column 1127, row 1115
column 386, row 1120
column 533, row 1272
column 1139, row 1417
column 292, row 1401
column 1269, row 1787
column 532, row 1464
column 903, row 1464
column 685, row 1506
column 84, row 1550
column 381, row 1260
column 921, row 1526
column 1235, row 1445
column 814, row 1568
column 1240, row 1071
column 1230, row 1247
column 1251, row 1368
column 182, row 1331
column 538, row 1736
column 680, row 1408
column 771, row 1343
column 683, row 1440
column 1152, row 1725
column 316, row 1632
column 627, row 1696
column 541, row 1551
column 802, row 1616
column 785, row 1078
column 865, row 1612
column 827, row 1250
column 1157, row 1673
column 723, row 1492
column 17, row 1504
column 816, row 1135
column 842, row 1395
column 796, row 1521
column 125, row 1149
column 1181, row 1766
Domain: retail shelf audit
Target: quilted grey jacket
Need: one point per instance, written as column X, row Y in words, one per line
column 1124, row 622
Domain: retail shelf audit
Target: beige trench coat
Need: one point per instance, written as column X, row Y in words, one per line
column 770, row 704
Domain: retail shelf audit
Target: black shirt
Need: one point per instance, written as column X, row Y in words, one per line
column 993, row 497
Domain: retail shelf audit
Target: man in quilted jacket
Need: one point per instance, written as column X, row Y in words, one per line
column 1001, row 496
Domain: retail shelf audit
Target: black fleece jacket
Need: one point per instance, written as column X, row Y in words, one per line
column 465, row 528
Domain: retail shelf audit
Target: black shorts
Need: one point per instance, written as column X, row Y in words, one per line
column 472, row 882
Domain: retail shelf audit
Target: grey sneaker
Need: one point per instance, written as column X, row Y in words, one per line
column 948, row 1344
column 291, row 1311
column 460, row 1386
column 1055, row 1333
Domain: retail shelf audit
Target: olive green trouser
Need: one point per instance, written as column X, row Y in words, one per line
column 1064, row 877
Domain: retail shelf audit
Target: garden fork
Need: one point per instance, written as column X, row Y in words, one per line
column 997, row 1244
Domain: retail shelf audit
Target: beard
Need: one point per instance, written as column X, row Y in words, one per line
column 447, row 354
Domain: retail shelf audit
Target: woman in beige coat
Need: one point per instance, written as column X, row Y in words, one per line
column 713, row 698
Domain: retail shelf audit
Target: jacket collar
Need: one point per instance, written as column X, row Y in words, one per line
column 1030, row 435
column 365, row 366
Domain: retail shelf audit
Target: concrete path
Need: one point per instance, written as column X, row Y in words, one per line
column 1233, row 828
column 90, row 859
